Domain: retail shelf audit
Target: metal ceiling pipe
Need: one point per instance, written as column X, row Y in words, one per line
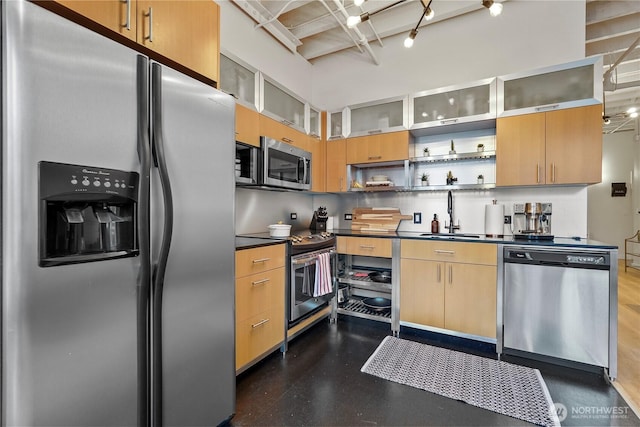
column 607, row 75
column 276, row 16
column 342, row 25
column 363, row 40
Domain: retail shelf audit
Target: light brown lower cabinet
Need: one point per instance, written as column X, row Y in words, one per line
column 454, row 295
column 259, row 303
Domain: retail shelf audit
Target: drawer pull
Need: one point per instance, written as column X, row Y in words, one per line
column 367, row 247
column 287, row 140
column 256, row 261
column 374, row 157
column 260, row 323
column 442, row 251
column 259, row 282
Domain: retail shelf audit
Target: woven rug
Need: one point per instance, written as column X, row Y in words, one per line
column 505, row 388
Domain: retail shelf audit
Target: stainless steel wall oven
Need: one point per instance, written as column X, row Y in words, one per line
column 312, row 275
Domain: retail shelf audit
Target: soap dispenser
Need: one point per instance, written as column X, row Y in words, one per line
column 435, row 224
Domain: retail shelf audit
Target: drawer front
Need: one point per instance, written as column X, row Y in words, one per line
column 470, row 253
column 257, row 260
column 365, row 246
column 259, row 292
column 258, row 334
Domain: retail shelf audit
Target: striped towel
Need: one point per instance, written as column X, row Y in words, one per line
column 323, row 283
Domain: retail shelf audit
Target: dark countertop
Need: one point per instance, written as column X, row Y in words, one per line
column 256, row 242
column 461, row 237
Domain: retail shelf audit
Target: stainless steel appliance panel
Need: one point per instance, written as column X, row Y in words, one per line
column 556, row 311
column 285, row 165
column 197, row 310
column 69, row 335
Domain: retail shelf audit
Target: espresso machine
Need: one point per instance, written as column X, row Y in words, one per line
column 532, row 221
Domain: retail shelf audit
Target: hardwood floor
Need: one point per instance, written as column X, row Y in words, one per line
column 628, row 381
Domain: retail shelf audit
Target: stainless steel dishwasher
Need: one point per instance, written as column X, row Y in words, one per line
column 558, row 303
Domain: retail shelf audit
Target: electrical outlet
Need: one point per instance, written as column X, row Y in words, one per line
column 294, row 215
column 507, row 219
column 348, row 217
column 417, row 217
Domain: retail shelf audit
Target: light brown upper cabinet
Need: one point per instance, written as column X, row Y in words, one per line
column 247, row 125
column 318, row 150
column 116, row 15
column 383, row 147
column 337, row 165
column 556, row 147
column 187, row 31
column 281, row 132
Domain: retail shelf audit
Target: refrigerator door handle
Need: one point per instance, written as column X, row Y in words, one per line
column 160, row 267
column 144, row 239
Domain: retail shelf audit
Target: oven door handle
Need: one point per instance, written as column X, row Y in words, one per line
column 307, row 260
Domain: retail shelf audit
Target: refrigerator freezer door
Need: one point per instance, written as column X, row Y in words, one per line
column 198, row 371
column 69, row 332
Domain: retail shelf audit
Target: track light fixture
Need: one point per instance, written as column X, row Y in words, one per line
column 428, row 14
column 352, row 21
column 495, row 9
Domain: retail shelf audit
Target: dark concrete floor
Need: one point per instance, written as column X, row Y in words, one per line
column 318, row 383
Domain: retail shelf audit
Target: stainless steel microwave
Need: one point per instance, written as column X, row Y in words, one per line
column 285, row 166
column 247, row 164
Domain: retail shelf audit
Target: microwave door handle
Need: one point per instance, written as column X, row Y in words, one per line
column 304, row 176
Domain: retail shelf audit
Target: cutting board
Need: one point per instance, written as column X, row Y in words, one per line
column 377, row 220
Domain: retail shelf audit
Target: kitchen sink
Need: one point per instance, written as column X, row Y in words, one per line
column 450, row 236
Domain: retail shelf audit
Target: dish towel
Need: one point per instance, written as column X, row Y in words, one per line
column 322, row 285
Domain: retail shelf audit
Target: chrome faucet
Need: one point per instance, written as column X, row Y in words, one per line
column 452, row 228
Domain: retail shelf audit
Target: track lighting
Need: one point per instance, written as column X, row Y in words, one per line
column 428, row 14
column 495, row 9
column 352, row 21
column 408, row 42
column 632, row 112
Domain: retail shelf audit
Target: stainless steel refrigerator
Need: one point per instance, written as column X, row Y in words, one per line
column 117, row 233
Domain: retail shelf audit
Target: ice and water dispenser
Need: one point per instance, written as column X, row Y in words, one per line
column 86, row 214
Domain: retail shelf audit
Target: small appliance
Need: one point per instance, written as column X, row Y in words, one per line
column 247, row 164
column 284, row 165
column 532, row 221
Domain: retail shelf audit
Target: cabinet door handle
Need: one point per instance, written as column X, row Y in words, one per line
column 374, row 157
column 260, row 323
column 127, row 23
column 371, row 132
column 287, row 140
column 450, row 274
column 553, row 172
column 439, row 273
column 150, row 15
column 367, row 247
column 259, row 282
column 444, row 122
column 340, row 185
column 538, row 173
column 256, row 261
column 442, row 251
column 547, row 107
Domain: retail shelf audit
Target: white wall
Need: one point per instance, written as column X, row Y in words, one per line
column 256, row 47
column 611, row 218
column 529, row 34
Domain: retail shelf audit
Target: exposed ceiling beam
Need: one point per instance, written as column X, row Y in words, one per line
column 616, row 27
column 598, row 11
column 614, row 44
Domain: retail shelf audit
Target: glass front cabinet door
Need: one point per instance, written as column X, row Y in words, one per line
column 336, row 124
column 574, row 84
column 382, row 116
column 453, row 105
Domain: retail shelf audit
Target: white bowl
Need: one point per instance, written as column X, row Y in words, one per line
column 279, row 230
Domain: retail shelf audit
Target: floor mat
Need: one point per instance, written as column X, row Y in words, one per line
column 508, row 389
